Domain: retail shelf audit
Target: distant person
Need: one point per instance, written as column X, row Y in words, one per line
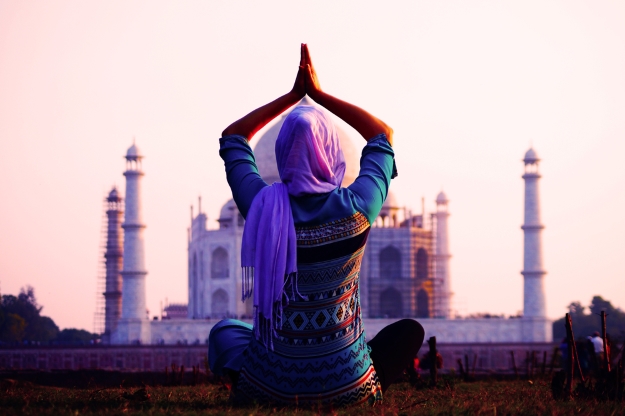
column 597, row 343
column 302, row 247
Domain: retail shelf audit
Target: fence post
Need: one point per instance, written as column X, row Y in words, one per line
column 433, row 369
column 516, row 372
column 606, row 346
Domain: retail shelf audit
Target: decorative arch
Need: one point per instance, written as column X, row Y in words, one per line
column 422, row 264
column 423, row 304
column 390, row 263
column 219, row 264
column 219, row 303
column 391, row 304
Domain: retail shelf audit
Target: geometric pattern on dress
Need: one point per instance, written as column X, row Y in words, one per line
column 332, row 231
column 330, row 271
column 320, row 352
column 341, row 378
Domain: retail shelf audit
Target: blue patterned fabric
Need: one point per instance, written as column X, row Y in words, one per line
column 320, row 354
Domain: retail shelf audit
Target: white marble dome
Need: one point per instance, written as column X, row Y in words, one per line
column 391, row 201
column 441, row 198
column 133, row 152
column 531, row 156
column 265, row 153
column 227, row 211
column 113, row 195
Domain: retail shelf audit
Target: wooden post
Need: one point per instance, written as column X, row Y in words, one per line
column 544, row 363
column 606, row 347
column 576, row 356
column 527, row 364
column 570, row 361
column 433, row 369
column 553, row 359
column 466, row 364
column 516, row 371
column 474, row 364
column 461, row 370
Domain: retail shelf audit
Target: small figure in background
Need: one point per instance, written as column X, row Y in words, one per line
column 597, row 343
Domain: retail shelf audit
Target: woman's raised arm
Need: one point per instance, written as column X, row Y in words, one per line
column 249, row 125
column 364, row 123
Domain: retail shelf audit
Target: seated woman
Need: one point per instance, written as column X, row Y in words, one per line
column 302, row 248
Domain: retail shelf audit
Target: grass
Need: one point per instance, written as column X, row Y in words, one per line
column 455, row 398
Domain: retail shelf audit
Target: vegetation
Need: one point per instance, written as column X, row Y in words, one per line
column 21, row 320
column 584, row 324
column 483, row 397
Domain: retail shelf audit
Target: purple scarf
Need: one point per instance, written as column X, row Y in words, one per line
column 310, row 161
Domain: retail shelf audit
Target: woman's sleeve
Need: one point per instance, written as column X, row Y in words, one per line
column 377, row 168
column 241, row 171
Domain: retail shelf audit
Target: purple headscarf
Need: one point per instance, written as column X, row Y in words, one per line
column 310, row 161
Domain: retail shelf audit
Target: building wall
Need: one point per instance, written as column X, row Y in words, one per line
column 487, row 357
column 493, row 330
column 377, row 285
column 215, row 295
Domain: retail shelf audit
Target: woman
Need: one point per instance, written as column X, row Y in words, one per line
column 302, row 247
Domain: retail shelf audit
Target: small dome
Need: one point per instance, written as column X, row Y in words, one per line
column 227, row 211
column 265, row 152
column 531, row 156
column 113, row 195
column 133, row 152
column 390, row 202
column 441, row 198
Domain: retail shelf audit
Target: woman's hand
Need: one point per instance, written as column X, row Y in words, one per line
column 299, row 88
column 313, row 89
column 248, row 125
column 366, row 124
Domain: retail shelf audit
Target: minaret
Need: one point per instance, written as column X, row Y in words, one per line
column 442, row 306
column 113, row 259
column 533, row 272
column 134, row 325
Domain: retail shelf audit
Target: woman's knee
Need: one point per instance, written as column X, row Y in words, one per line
column 412, row 331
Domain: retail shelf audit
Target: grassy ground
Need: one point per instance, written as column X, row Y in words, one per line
column 455, row 398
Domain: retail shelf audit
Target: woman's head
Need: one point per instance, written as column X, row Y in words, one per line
column 308, row 152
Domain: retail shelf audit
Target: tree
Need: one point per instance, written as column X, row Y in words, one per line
column 576, row 309
column 584, row 324
column 598, row 304
column 31, row 325
column 74, row 336
column 13, row 329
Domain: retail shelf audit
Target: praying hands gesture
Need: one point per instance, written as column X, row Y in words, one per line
column 306, row 82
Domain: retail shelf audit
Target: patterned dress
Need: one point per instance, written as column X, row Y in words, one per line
column 320, row 354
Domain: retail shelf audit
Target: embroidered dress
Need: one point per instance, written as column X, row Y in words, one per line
column 320, row 353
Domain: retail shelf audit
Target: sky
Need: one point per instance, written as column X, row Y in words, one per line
column 467, row 86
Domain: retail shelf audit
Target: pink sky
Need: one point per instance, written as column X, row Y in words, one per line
column 466, row 85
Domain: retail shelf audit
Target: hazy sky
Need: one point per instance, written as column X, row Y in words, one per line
column 466, row 85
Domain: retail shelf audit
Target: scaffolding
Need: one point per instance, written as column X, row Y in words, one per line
column 100, row 304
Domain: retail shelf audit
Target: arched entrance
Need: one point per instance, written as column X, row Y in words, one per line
column 219, row 304
column 390, row 263
column 423, row 304
column 391, row 304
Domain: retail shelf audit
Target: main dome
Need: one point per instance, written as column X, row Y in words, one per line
column 265, row 153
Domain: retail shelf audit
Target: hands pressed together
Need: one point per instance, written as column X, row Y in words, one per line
column 306, row 81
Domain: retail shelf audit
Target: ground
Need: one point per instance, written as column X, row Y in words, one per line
column 451, row 398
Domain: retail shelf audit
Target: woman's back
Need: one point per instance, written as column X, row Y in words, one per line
column 320, row 352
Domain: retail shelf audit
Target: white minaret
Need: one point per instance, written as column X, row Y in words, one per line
column 442, row 306
column 134, row 325
column 533, row 273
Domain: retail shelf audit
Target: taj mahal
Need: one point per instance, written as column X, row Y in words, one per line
column 405, row 269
